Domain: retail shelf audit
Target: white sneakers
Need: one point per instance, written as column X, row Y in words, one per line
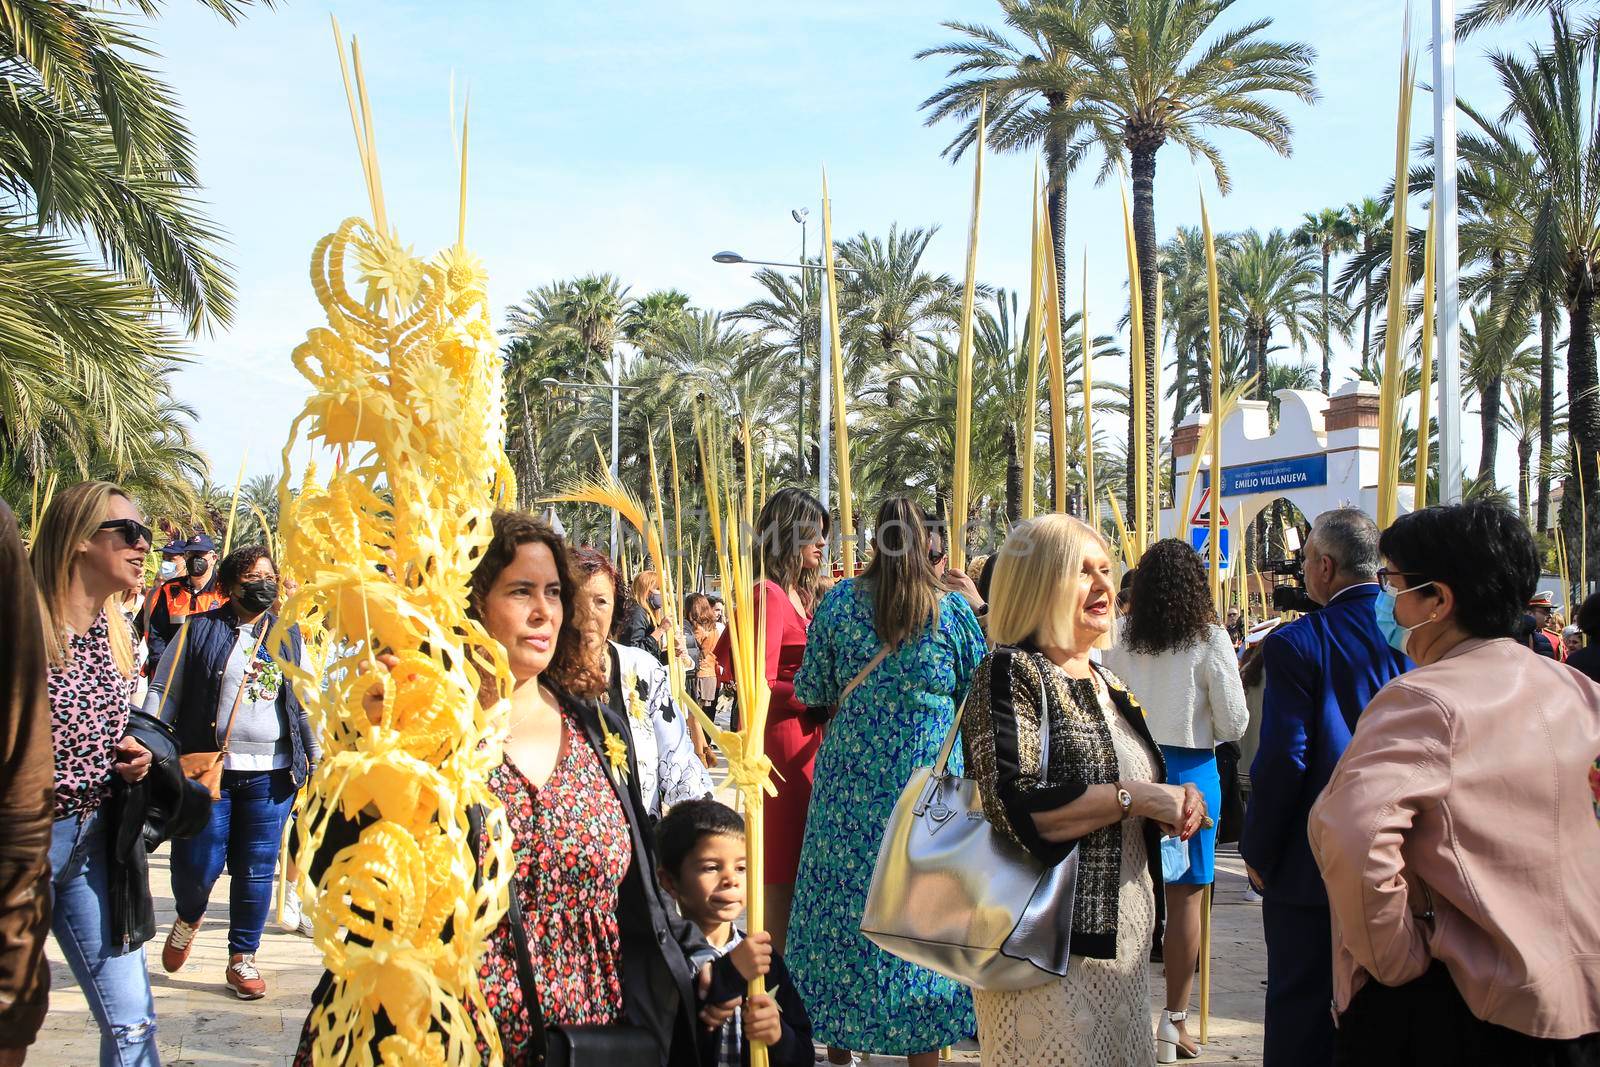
column 294, row 917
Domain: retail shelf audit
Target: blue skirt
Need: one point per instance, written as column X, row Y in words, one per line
column 1198, row 767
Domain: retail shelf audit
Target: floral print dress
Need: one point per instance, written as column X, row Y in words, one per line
column 572, row 850
column 860, row 997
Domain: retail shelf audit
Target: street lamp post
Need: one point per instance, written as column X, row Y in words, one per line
column 824, row 364
column 615, row 388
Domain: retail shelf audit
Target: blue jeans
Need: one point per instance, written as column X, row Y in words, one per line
column 113, row 980
column 244, row 831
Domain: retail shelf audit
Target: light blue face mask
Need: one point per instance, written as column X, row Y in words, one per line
column 1397, row 635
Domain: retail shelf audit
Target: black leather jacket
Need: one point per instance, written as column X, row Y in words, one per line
column 140, row 816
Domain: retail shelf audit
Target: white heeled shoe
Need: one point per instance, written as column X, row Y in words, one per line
column 1169, row 1048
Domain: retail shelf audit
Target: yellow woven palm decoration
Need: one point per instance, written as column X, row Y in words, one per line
column 406, row 392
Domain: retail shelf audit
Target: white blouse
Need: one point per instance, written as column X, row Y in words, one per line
column 1192, row 696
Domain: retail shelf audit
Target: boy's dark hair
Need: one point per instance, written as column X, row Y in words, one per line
column 687, row 824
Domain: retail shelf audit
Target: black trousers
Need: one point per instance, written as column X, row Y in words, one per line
column 1425, row 1023
column 1299, row 1017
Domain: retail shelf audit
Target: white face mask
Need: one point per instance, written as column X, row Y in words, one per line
column 168, row 569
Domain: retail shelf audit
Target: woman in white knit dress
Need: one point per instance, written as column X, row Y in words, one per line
column 1181, row 666
column 1099, row 794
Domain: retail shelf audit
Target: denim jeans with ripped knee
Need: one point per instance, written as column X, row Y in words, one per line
column 114, row 980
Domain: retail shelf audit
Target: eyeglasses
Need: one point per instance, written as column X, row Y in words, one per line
column 132, row 531
column 1384, row 574
column 935, row 556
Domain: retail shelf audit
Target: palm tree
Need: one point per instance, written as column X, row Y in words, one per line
column 653, row 315
column 892, row 304
column 1149, row 80
column 1370, row 221
column 1331, row 233
column 1494, row 357
column 1031, row 78
column 1522, row 417
column 595, row 307
column 1548, row 108
column 1270, row 283
column 101, row 240
column 788, row 330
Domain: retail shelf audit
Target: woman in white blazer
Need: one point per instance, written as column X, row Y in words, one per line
column 1181, row 666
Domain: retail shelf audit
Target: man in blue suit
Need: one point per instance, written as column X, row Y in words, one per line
column 1321, row 670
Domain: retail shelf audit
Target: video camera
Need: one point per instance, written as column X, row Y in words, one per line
column 1291, row 595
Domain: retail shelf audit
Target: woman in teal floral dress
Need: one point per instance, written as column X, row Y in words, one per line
column 887, row 724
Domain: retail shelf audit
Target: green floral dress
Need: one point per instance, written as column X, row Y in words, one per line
column 860, row 997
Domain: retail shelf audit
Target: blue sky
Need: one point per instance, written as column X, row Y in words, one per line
column 639, row 138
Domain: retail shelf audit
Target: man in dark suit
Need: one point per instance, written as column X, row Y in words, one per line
column 1321, row 670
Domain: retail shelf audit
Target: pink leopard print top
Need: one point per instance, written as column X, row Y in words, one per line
column 88, row 714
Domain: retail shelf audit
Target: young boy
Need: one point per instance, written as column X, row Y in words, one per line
column 700, row 859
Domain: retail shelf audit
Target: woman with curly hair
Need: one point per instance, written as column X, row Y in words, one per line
column 1181, row 666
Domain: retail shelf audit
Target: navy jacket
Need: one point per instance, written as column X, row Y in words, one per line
column 205, row 654
column 1321, row 670
column 794, row 1048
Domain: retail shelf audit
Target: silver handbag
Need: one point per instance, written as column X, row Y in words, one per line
column 953, row 894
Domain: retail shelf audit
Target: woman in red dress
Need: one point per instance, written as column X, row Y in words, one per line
column 790, row 535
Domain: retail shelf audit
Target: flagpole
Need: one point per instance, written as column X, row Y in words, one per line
column 1446, row 267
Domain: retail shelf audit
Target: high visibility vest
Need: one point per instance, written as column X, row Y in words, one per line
column 181, row 601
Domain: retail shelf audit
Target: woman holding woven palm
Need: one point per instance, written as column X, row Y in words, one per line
column 893, row 651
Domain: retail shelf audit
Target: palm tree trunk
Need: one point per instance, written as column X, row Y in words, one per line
column 1547, row 407
column 1327, row 353
column 1262, row 339
column 1180, row 399
column 1489, row 421
column 1143, row 150
column 1583, row 417
column 1524, row 464
column 1013, row 476
column 1366, row 314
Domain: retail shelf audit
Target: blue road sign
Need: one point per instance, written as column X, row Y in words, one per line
column 1197, row 538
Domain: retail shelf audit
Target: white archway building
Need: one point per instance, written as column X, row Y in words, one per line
column 1324, row 455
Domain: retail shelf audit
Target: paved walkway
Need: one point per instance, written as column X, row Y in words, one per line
column 200, row 1023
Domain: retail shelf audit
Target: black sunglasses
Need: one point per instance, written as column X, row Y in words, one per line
column 132, row 531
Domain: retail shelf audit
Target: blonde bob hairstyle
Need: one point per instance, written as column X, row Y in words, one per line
column 73, row 517
column 1033, row 592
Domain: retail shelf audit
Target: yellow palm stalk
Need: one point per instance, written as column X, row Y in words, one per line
column 677, row 505
column 1129, row 554
column 233, row 509
column 1420, row 492
column 1058, row 384
column 961, row 488
column 1139, row 505
column 749, row 768
column 841, row 425
column 1214, row 311
column 1091, row 501
column 412, row 390
column 1030, row 407
column 1399, row 281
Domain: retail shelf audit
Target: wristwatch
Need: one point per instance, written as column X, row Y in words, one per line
column 1125, row 800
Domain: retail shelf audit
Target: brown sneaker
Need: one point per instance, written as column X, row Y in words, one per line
column 180, row 939
column 243, row 978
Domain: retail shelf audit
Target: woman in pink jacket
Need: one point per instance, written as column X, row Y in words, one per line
column 1459, row 836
